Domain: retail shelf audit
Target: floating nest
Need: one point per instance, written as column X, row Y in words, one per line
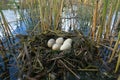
column 81, row 62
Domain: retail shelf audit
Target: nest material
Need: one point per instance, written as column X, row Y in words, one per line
column 40, row 62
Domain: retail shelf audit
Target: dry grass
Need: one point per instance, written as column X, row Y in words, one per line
column 46, row 15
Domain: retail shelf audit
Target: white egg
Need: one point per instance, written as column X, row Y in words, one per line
column 52, row 76
column 56, row 46
column 59, row 40
column 51, row 42
column 65, row 46
column 19, row 79
column 69, row 40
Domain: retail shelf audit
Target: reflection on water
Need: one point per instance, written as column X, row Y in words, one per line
column 71, row 21
column 16, row 25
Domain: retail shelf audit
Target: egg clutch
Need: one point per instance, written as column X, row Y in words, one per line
column 59, row 44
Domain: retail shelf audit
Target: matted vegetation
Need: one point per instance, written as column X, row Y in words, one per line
column 95, row 56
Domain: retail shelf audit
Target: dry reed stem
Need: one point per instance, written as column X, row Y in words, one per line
column 118, row 63
column 94, row 19
column 69, row 69
column 115, row 48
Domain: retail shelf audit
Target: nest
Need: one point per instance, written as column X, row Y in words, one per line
column 40, row 62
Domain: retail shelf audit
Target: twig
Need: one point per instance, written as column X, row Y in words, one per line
column 106, row 46
column 69, row 63
column 28, row 57
column 51, row 67
column 56, row 58
column 87, row 69
column 69, row 69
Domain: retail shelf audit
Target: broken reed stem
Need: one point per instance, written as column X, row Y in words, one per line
column 59, row 57
column 69, row 69
column 28, row 58
column 87, row 69
column 115, row 48
column 69, row 63
column 118, row 63
column 106, row 46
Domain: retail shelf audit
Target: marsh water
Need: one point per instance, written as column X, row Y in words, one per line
column 17, row 26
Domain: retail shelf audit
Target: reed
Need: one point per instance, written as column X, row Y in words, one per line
column 95, row 13
column 118, row 63
column 110, row 15
column 115, row 47
column 45, row 16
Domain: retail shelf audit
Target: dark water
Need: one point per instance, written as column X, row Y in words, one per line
column 21, row 29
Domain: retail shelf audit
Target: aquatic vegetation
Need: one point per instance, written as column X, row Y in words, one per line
column 88, row 50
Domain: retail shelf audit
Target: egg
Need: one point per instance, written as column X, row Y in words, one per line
column 56, row 46
column 69, row 40
column 51, row 42
column 59, row 40
column 52, row 76
column 65, row 46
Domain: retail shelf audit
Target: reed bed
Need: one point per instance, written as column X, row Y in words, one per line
column 40, row 62
column 96, row 56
